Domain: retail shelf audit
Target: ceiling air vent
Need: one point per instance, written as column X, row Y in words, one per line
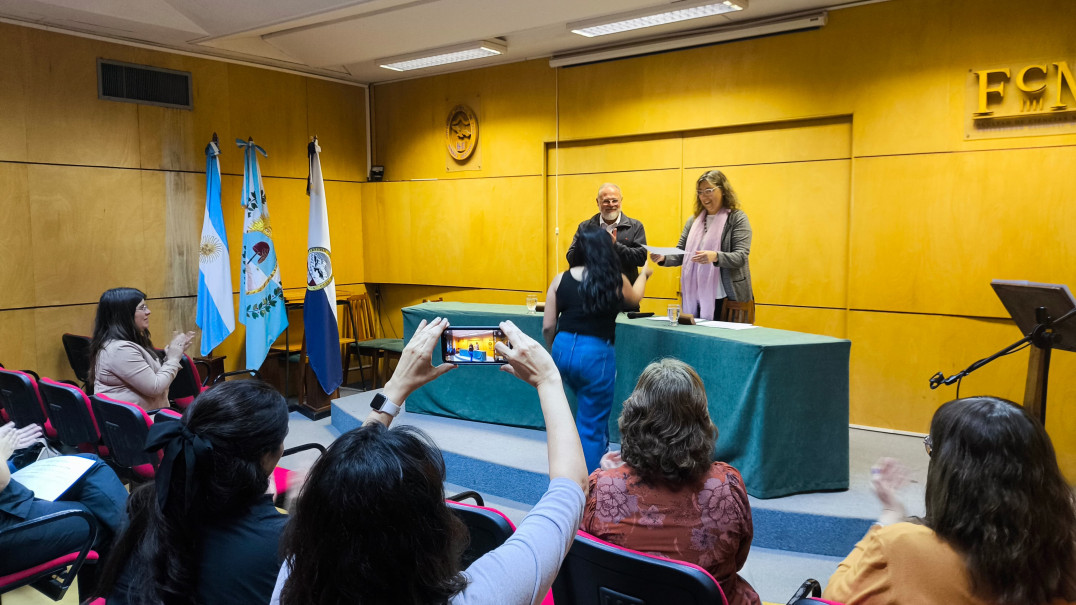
column 143, row 84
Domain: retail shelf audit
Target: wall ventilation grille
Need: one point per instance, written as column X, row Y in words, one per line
column 143, row 84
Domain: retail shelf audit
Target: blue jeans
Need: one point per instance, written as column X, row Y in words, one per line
column 588, row 365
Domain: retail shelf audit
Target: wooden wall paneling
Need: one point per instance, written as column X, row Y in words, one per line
column 65, row 121
column 17, row 271
column 344, row 202
column 516, row 103
column 653, row 152
column 386, row 232
column 895, row 354
column 87, row 228
column 18, row 340
column 930, row 232
column 812, row 320
column 48, row 325
column 271, row 107
column 798, row 141
column 336, row 113
column 175, row 139
column 652, row 197
column 173, row 209
column 799, row 222
column 14, row 70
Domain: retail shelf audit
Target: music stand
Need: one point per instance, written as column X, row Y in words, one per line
column 1041, row 312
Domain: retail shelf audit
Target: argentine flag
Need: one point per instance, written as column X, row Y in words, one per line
column 319, row 306
column 216, row 313
column 261, row 298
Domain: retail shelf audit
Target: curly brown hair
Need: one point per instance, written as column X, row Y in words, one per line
column 666, row 432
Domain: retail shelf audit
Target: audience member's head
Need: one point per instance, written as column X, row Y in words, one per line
column 116, row 320
column 995, row 493
column 216, row 462
column 665, row 427
column 371, row 524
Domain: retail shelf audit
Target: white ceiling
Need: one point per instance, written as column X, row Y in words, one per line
column 344, row 38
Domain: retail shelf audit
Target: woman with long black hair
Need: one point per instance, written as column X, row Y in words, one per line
column 123, row 363
column 206, row 531
column 580, row 325
column 1000, row 525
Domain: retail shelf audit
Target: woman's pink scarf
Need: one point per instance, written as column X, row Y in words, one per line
column 699, row 281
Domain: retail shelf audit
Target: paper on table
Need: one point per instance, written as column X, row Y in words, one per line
column 726, row 325
column 664, row 251
column 51, row 477
column 658, row 318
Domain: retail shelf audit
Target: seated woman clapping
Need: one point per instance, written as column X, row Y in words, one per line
column 1000, row 525
column 371, row 525
column 206, row 531
column 662, row 493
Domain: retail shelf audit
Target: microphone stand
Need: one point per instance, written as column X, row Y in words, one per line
column 1041, row 336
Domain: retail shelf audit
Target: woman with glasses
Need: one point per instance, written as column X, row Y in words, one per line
column 1000, row 524
column 717, row 241
column 123, row 363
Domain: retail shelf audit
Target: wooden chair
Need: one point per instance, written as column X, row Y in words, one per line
column 738, row 312
column 381, row 350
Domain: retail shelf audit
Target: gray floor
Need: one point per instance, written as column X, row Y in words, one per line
column 775, row 574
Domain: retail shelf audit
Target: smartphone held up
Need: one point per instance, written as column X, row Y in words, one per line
column 472, row 345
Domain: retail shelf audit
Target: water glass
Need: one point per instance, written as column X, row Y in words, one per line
column 674, row 314
column 532, row 302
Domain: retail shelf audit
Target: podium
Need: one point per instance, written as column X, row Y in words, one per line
column 1041, row 312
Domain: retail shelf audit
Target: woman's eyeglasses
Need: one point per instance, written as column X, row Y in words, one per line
column 142, row 308
column 928, row 445
column 708, row 190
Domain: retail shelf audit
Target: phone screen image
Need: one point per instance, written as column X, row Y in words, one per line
column 472, row 345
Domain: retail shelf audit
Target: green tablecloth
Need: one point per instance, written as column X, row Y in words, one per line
column 778, row 398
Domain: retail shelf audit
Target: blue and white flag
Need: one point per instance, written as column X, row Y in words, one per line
column 216, row 313
column 319, row 307
column 261, row 299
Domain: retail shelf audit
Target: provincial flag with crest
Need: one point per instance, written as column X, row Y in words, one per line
column 319, row 307
column 261, row 297
column 216, row 311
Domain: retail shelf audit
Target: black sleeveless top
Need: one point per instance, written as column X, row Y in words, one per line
column 572, row 318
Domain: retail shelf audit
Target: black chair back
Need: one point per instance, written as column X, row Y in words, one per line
column 488, row 528
column 78, row 355
column 596, row 572
column 71, row 414
column 22, row 401
column 124, row 428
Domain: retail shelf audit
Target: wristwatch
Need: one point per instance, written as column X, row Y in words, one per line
column 381, row 403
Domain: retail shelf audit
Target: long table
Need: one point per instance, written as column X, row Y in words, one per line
column 778, row 398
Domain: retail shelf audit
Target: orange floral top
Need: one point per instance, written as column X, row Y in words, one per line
column 707, row 523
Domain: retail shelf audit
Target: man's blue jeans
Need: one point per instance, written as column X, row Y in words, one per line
column 588, row 365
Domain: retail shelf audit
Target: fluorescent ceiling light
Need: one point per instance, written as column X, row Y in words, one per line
column 704, row 38
column 647, row 17
column 443, row 56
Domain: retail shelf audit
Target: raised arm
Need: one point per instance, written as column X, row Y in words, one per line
column 530, row 362
column 127, row 362
column 633, row 293
column 549, row 319
column 674, row 260
column 415, row 367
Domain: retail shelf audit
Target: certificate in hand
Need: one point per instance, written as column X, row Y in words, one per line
column 663, row 251
column 51, row 477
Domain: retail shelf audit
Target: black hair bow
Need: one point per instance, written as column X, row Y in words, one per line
column 178, row 442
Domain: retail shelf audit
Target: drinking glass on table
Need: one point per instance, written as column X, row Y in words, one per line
column 674, row 314
column 532, row 302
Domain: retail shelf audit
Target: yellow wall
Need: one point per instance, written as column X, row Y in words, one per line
column 874, row 218
column 97, row 194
